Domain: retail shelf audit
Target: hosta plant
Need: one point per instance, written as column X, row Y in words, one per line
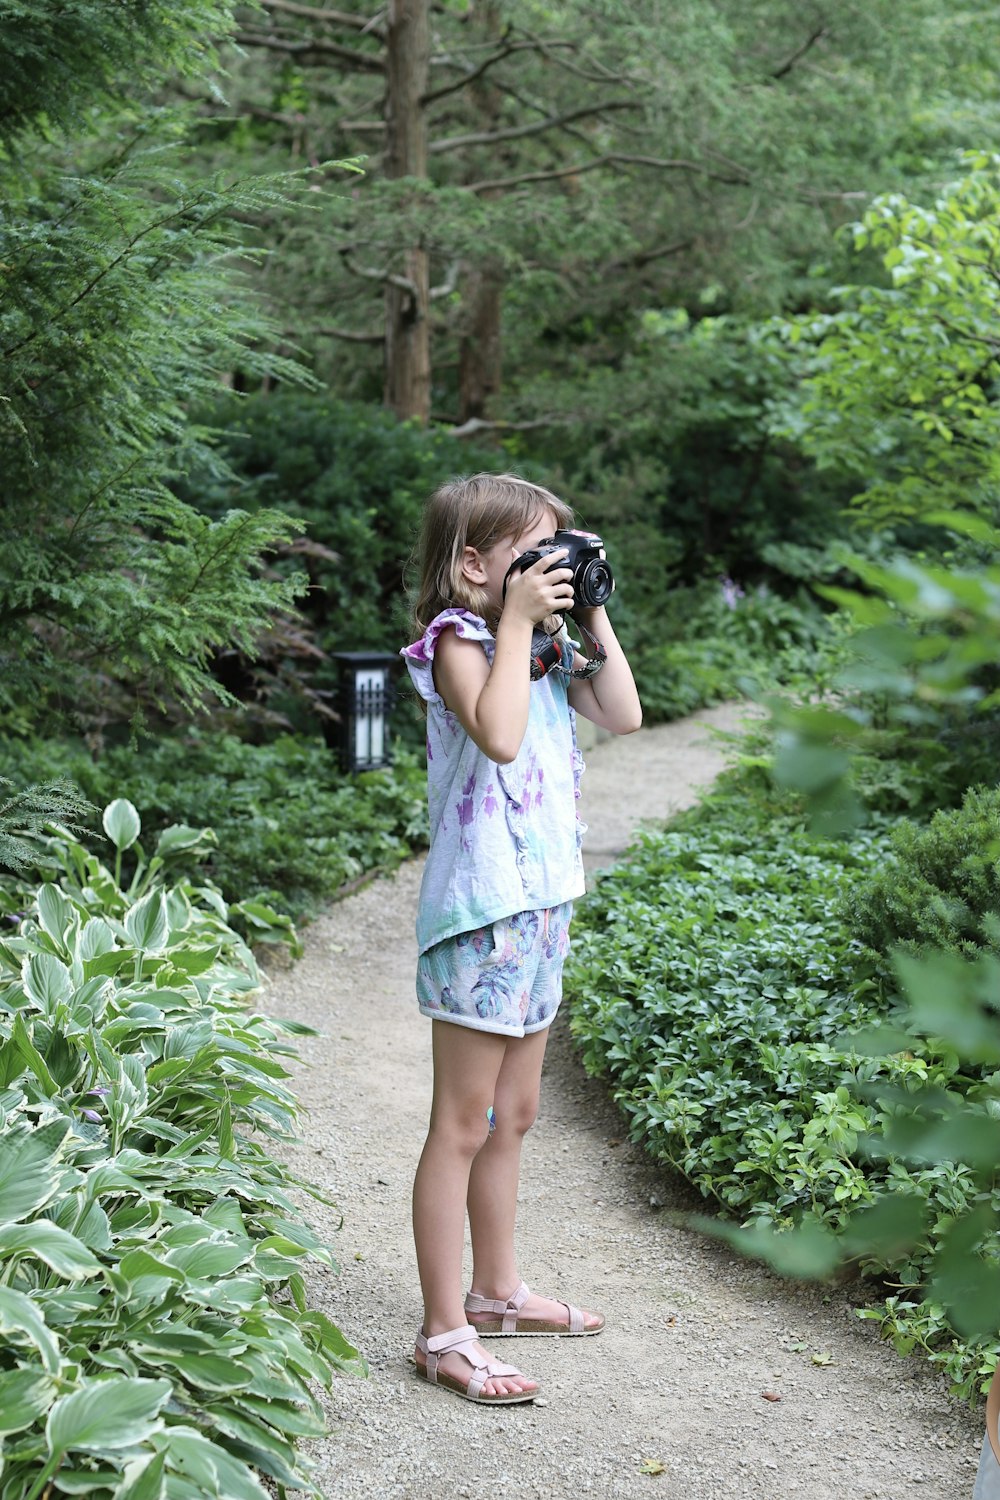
column 155, row 1338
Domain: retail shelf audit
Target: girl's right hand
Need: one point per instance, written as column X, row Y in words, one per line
column 535, row 594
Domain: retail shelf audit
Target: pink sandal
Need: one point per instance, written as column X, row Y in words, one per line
column 507, row 1318
column 461, row 1341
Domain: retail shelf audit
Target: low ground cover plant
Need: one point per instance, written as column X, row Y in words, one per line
column 155, row 1338
column 716, row 981
column 293, row 827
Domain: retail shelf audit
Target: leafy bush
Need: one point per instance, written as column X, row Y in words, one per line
column 941, row 889
column 156, row 1337
column 715, row 982
column 357, row 477
column 294, row 826
column 716, row 640
column 711, row 978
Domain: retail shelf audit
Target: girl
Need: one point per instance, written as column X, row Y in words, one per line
column 492, row 928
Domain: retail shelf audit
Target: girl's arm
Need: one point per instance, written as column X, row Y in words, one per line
column 491, row 702
column 609, row 698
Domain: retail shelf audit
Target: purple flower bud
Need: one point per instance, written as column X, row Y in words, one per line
column 100, row 1092
column 91, row 1114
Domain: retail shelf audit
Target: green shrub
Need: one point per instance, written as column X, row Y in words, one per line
column 714, row 981
column 156, row 1336
column 711, row 979
column 358, row 478
column 939, row 889
column 293, row 826
column 717, row 641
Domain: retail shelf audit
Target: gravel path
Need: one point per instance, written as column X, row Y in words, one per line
column 668, row 1401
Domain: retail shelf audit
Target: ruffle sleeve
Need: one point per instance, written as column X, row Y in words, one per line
column 419, row 657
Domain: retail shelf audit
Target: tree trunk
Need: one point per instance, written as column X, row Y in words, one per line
column 482, row 282
column 479, row 347
column 407, row 332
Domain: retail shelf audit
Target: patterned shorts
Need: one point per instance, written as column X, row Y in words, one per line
column 505, row 978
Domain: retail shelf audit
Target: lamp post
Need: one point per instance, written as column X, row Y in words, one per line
column 365, row 698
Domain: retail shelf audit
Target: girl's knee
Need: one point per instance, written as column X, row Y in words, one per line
column 463, row 1131
column 517, row 1115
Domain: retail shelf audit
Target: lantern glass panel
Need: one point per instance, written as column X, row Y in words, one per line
column 370, row 685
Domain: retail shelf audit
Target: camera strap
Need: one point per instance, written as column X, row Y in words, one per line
column 595, row 652
column 548, row 653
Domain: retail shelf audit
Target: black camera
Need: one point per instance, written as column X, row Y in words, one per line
column 593, row 580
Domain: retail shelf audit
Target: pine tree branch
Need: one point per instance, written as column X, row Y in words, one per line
column 480, row 424
column 368, row 273
column 516, row 132
column 645, row 257
column 600, row 75
column 367, row 62
column 447, row 286
column 349, row 336
column 497, row 184
column 474, row 73
column 327, row 17
column 786, row 67
column 814, row 195
column 130, row 244
column 680, row 164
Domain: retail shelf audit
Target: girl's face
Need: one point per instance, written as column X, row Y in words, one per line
column 495, row 561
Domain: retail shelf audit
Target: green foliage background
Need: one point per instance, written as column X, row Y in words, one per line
column 744, row 268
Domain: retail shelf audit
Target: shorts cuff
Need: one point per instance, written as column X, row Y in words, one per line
column 472, row 1024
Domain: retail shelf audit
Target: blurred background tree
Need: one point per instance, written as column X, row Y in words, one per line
column 123, row 302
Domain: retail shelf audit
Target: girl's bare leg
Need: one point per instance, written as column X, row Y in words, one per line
column 492, row 1198
column 466, row 1068
column 493, row 1180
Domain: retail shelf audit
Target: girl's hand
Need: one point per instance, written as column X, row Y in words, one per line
column 535, row 594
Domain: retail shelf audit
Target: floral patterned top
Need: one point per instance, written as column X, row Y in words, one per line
column 504, row 838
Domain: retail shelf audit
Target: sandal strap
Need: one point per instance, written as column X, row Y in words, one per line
column 460, row 1341
column 574, row 1316
column 507, row 1308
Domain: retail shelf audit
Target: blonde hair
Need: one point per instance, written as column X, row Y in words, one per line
column 477, row 511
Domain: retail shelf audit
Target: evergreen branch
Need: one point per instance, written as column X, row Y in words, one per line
column 474, row 73
column 105, row 270
column 368, row 273
column 517, row 132
column 601, row 75
column 26, row 814
column 92, row 499
column 787, row 66
column 447, row 286
column 366, row 62
column 226, row 544
column 481, row 424
column 350, row 336
column 844, row 195
column 609, row 159
column 680, row 164
column 326, row 17
column 508, row 88
column 645, row 257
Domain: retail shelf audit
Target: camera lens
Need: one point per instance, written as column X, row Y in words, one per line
column 595, row 583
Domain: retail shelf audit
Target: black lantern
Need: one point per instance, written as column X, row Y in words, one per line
column 364, row 699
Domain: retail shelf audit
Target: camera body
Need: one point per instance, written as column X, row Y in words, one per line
column 593, row 580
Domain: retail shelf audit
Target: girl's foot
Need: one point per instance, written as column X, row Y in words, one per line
column 525, row 1314
column 457, row 1361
